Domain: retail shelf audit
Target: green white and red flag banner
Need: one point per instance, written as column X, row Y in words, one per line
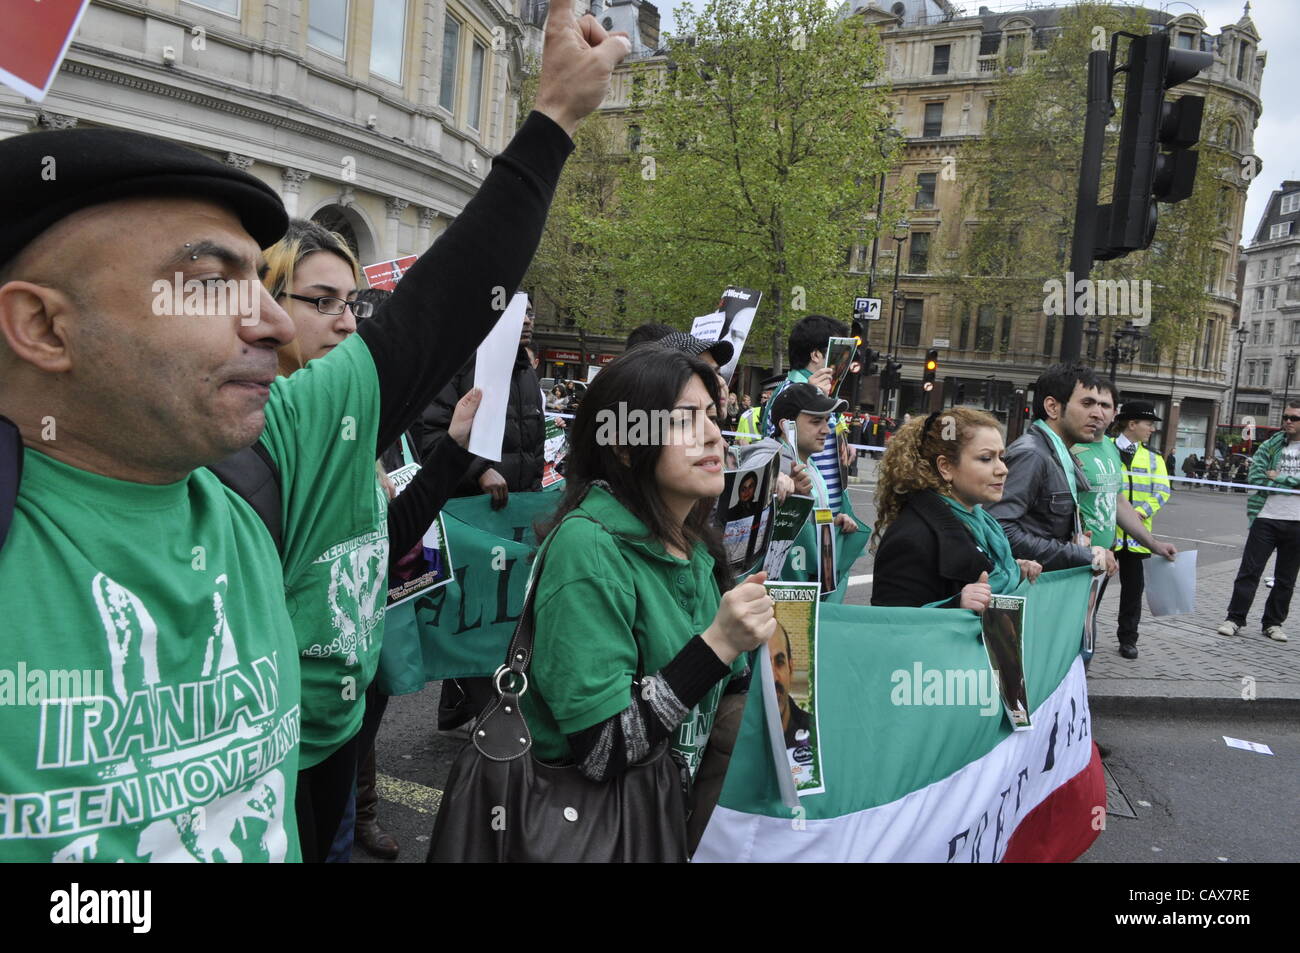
column 919, row 761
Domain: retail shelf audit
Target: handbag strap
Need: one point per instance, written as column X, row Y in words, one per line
column 502, row 734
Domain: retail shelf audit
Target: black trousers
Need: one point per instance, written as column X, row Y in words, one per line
column 1132, row 582
column 463, row 699
column 323, row 792
column 367, row 793
column 1265, row 536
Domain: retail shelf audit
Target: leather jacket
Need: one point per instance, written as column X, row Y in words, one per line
column 1037, row 511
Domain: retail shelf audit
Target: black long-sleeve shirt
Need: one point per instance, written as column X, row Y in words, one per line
column 411, row 513
column 443, row 307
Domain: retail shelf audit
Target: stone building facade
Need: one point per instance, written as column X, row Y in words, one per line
column 378, row 118
column 1269, row 342
column 943, row 67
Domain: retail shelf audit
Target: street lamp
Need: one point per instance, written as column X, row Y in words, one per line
column 1242, row 333
column 1290, row 370
column 1126, row 342
column 901, row 232
column 887, row 142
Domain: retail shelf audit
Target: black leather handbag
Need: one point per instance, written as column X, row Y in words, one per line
column 503, row 805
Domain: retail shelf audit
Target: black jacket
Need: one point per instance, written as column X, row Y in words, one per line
column 525, row 432
column 926, row 555
column 1037, row 511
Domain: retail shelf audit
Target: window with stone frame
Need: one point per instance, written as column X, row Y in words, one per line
column 913, row 311
column 933, row 125
column 925, row 185
column 939, row 64
column 986, row 320
column 918, row 254
column 327, row 26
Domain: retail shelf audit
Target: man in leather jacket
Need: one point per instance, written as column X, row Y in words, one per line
column 1038, row 509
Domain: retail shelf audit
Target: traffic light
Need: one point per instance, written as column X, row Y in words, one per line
column 859, row 331
column 869, row 359
column 891, row 375
column 1145, row 173
column 931, row 368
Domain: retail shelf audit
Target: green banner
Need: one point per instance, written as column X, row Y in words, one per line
column 463, row 629
column 801, row 563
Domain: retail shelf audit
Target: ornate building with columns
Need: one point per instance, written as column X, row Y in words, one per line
column 943, row 66
column 377, row 118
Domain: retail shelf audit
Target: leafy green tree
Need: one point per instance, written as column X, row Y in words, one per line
column 1020, row 182
column 570, row 277
column 760, row 144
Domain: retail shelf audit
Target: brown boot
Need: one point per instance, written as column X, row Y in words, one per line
column 373, row 839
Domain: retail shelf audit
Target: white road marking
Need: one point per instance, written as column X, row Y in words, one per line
column 860, row 580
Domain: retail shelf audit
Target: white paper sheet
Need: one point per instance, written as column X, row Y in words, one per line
column 1171, row 586
column 493, row 363
column 1256, row 746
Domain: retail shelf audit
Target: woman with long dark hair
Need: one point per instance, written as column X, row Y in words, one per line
column 638, row 629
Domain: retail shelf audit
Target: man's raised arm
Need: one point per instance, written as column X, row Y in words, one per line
column 447, row 303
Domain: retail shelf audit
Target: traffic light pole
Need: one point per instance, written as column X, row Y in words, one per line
column 1085, row 213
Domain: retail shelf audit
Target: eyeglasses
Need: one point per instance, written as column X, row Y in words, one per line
column 1289, row 418
column 328, row 305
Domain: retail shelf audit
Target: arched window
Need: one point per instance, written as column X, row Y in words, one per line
column 1228, row 136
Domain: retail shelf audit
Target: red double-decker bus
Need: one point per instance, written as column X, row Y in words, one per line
column 1234, row 437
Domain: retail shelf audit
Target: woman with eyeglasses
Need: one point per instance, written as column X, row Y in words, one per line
column 339, row 622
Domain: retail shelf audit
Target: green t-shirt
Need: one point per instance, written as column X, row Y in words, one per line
column 154, row 616
column 1104, row 469
column 601, row 597
column 335, row 538
column 150, row 684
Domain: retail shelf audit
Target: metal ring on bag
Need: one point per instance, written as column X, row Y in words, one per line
column 505, row 670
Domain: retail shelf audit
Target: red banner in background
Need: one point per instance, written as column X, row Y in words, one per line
column 34, row 40
column 385, row 274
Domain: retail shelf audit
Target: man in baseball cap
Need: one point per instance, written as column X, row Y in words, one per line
column 810, row 412
column 120, row 554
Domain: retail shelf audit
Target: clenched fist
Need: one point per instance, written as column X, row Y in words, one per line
column 745, row 620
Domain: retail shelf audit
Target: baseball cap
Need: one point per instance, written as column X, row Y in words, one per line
column 721, row 351
column 803, row 399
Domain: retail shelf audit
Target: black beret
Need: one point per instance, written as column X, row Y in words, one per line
column 93, row 166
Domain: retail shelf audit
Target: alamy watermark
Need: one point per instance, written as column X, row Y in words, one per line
column 946, row 687
column 213, row 296
column 634, row 427
column 36, row 686
column 1094, row 297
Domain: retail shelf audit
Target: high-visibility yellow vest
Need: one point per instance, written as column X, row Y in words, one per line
column 1146, row 486
column 747, row 429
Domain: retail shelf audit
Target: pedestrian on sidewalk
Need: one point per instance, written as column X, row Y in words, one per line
column 1146, row 487
column 1274, row 525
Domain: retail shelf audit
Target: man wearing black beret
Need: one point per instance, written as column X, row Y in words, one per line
column 144, row 599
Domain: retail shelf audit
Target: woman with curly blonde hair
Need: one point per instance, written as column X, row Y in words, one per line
column 935, row 545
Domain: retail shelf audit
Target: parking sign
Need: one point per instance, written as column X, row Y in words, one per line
column 866, row 309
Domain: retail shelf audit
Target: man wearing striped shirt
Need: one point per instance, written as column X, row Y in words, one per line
column 807, row 352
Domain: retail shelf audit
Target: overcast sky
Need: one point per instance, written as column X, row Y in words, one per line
column 1277, row 137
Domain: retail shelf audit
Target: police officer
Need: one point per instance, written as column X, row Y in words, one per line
column 1146, row 487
